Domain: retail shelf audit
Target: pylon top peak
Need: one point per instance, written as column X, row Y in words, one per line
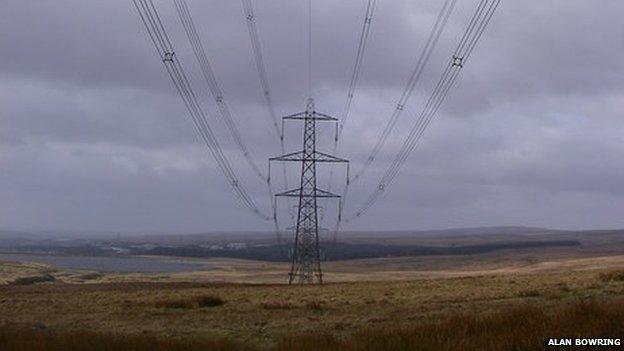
column 310, row 104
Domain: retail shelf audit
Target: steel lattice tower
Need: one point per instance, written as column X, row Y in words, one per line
column 306, row 257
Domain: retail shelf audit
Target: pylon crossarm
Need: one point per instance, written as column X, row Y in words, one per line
column 293, row 156
column 315, row 116
column 323, row 193
column 320, row 229
column 298, row 193
column 298, row 115
column 324, row 117
column 290, row 193
column 317, row 156
column 323, row 157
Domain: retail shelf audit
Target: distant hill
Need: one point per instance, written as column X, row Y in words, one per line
column 501, row 230
column 268, row 237
column 342, row 251
column 451, row 236
column 13, row 234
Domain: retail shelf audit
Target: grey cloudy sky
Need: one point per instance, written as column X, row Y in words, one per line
column 93, row 135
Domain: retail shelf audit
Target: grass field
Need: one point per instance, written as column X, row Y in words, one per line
column 488, row 308
column 520, row 328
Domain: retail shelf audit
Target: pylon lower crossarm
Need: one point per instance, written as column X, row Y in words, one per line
column 297, row 193
column 316, row 156
column 317, row 116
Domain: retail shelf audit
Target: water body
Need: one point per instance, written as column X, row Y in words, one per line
column 109, row 264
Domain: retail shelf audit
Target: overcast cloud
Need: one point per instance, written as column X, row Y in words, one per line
column 94, row 136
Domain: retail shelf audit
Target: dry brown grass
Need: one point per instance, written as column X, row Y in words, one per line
column 529, row 293
column 381, row 269
column 174, row 304
column 612, row 276
column 524, row 327
column 314, row 305
column 44, row 340
column 209, row 301
column 193, row 302
column 35, row 279
column 277, row 305
column 266, row 313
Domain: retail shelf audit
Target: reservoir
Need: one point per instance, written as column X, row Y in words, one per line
column 130, row 264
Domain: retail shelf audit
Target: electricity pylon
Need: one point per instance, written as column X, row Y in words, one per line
column 306, row 257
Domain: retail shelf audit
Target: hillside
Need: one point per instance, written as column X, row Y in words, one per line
column 577, row 299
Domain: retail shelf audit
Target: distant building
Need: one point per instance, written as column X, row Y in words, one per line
column 236, row 246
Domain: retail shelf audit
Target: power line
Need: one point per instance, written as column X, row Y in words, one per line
column 309, row 48
column 153, row 24
column 422, row 60
column 213, row 85
column 250, row 19
column 156, row 31
column 471, row 36
column 217, row 94
column 355, row 74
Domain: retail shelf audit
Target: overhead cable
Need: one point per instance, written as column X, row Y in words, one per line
column 414, row 77
column 256, row 48
column 460, row 56
column 355, row 74
column 213, row 85
column 156, row 31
